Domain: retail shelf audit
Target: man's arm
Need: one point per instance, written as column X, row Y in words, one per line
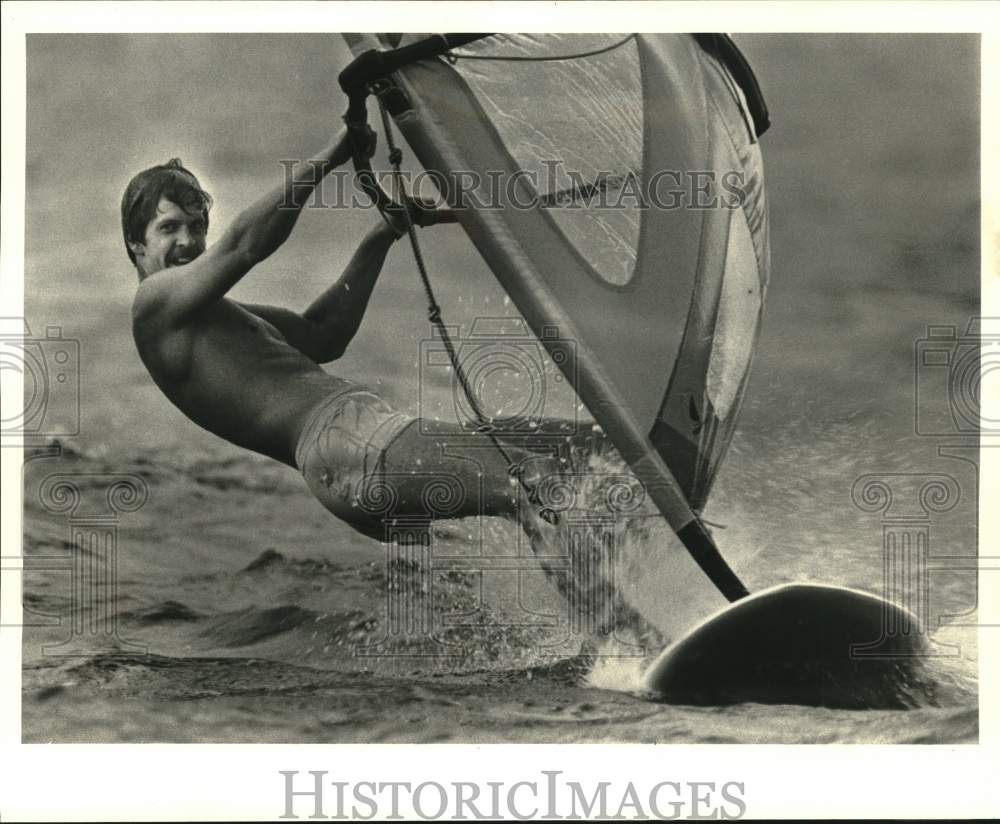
column 325, row 329
column 180, row 291
column 338, row 312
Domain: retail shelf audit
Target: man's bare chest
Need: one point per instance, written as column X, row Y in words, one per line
column 220, row 338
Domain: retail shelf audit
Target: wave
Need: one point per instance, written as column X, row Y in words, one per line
column 270, row 560
column 244, row 471
column 164, row 612
column 253, row 625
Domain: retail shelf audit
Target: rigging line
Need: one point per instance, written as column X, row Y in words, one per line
column 519, row 59
column 484, row 426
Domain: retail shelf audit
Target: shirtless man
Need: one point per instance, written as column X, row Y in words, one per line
column 251, row 374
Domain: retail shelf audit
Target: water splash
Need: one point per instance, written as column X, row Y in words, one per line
column 617, row 667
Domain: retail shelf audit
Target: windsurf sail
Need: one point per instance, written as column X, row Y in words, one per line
column 596, row 177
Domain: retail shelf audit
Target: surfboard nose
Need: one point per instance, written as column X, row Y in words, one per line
column 799, row 644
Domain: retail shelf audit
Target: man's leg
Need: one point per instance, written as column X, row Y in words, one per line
column 373, row 468
column 561, row 449
column 478, row 468
column 369, row 464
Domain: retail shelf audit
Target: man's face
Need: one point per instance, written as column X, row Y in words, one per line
column 174, row 237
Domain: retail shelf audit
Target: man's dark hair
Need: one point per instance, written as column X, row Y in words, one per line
column 142, row 195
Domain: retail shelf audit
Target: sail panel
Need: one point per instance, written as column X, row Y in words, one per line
column 653, row 308
column 578, row 136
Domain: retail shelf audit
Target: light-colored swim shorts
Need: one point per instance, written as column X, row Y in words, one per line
column 342, row 449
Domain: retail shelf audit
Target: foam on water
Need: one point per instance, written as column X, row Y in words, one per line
column 617, row 667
